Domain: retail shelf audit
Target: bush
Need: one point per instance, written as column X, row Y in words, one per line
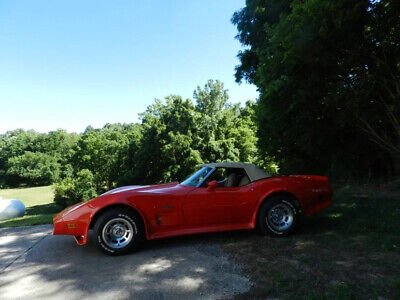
column 71, row 190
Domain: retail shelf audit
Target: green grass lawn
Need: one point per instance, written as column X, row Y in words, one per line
column 39, row 204
column 350, row 250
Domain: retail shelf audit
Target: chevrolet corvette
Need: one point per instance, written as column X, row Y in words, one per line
column 217, row 197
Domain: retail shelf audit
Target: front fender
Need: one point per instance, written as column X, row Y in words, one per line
column 74, row 221
column 112, row 201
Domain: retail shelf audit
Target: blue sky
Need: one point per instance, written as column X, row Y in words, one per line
column 69, row 64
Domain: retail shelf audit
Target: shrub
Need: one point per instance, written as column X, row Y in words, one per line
column 71, row 190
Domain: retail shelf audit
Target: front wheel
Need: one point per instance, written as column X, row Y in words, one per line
column 278, row 216
column 119, row 231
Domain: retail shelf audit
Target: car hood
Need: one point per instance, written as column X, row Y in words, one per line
column 156, row 189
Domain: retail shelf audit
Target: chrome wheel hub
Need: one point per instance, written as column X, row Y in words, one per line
column 280, row 217
column 117, row 233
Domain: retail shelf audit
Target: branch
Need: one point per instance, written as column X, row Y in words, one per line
column 381, row 140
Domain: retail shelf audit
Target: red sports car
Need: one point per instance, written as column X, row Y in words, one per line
column 218, row 197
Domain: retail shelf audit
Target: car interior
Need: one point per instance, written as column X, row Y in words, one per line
column 229, row 177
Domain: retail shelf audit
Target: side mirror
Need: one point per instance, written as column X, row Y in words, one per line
column 212, row 185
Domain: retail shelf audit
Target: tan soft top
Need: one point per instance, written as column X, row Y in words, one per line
column 254, row 172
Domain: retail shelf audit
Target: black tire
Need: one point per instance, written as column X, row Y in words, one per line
column 282, row 225
column 119, row 220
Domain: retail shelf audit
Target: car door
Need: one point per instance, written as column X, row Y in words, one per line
column 233, row 205
column 219, row 206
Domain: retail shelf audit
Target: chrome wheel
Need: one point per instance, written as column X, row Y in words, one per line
column 117, row 233
column 280, row 217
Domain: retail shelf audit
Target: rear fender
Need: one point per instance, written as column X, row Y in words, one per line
column 264, row 197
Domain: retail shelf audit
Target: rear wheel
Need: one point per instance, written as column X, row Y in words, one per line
column 278, row 216
column 119, row 231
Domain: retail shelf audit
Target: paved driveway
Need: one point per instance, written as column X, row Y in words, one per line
column 36, row 265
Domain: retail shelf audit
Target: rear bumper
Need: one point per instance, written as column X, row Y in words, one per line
column 318, row 207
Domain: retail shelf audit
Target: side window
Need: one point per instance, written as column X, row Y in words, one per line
column 219, row 175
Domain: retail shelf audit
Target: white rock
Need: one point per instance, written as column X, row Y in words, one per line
column 11, row 208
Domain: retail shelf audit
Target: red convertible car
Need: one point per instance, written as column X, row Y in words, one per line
column 218, row 197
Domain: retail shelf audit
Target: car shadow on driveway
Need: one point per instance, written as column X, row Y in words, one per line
column 184, row 267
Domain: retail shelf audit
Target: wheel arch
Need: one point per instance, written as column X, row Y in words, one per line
column 292, row 198
column 134, row 210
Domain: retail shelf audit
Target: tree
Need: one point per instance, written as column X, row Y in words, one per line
column 179, row 135
column 225, row 132
column 104, row 153
column 174, row 138
column 33, row 168
column 378, row 73
column 14, row 145
column 212, row 119
column 316, row 64
column 166, row 151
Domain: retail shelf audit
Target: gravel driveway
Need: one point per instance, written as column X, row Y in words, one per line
column 36, row 265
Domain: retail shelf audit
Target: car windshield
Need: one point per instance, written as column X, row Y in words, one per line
column 196, row 178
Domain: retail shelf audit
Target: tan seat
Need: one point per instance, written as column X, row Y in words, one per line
column 231, row 180
column 244, row 181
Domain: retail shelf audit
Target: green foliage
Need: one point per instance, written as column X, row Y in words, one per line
column 174, row 138
column 226, row 132
column 323, row 67
column 178, row 135
column 31, row 158
column 166, row 151
column 71, row 190
column 104, row 152
column 34, row 168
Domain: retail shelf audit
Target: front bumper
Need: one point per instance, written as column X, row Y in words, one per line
column 73, row 222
